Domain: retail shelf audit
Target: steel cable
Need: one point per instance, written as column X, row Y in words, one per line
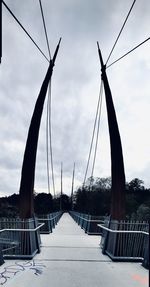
column 25, row 30
column 129, row 52
column 120, row 31
column 49, row 108
column 44, row 24
column 97, row 134
column 93, row 134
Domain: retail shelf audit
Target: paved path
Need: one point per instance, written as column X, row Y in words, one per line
column 71, row 258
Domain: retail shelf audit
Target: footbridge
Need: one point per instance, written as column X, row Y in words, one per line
column 70, row 257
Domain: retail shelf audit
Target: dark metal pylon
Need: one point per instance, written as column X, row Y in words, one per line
column 117, row 165
column 29, row 161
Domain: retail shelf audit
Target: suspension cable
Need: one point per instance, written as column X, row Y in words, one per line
column 25, row 30
column 120, row 31
column 49, row 141
column 44, row 24
column 50, row 135
column 97, row 134
column 129, row 52
column 47, row 149
column 48, row 109
column 93, row 134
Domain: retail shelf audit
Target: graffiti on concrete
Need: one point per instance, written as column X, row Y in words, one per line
column 10, row 271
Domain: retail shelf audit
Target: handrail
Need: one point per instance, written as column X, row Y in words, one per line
column 122, row 231
column 21, row 229
column 91, row 220
column 125, row 223
column 48, row 218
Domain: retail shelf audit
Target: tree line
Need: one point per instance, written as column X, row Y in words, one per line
column 94, row 198
column 44, row 203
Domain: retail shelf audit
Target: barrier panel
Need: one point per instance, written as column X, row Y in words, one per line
column 50, row 221
column 126, row 241
column 92, row 226
column 1, row 257
column 19, row 238
column 89, row 223
column 146, row 258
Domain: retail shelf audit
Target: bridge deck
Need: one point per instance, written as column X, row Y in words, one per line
column 70, row 258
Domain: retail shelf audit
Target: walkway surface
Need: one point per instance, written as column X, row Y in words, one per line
column 71, row 258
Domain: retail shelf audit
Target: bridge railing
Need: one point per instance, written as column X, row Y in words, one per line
column 21, row 238
column 126, row 241
column 50, row 221
column 89, row 223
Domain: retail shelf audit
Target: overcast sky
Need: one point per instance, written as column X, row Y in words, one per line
column 75, row 87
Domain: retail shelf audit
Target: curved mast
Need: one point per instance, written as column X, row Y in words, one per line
column 117, row 164
column 29, row 161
